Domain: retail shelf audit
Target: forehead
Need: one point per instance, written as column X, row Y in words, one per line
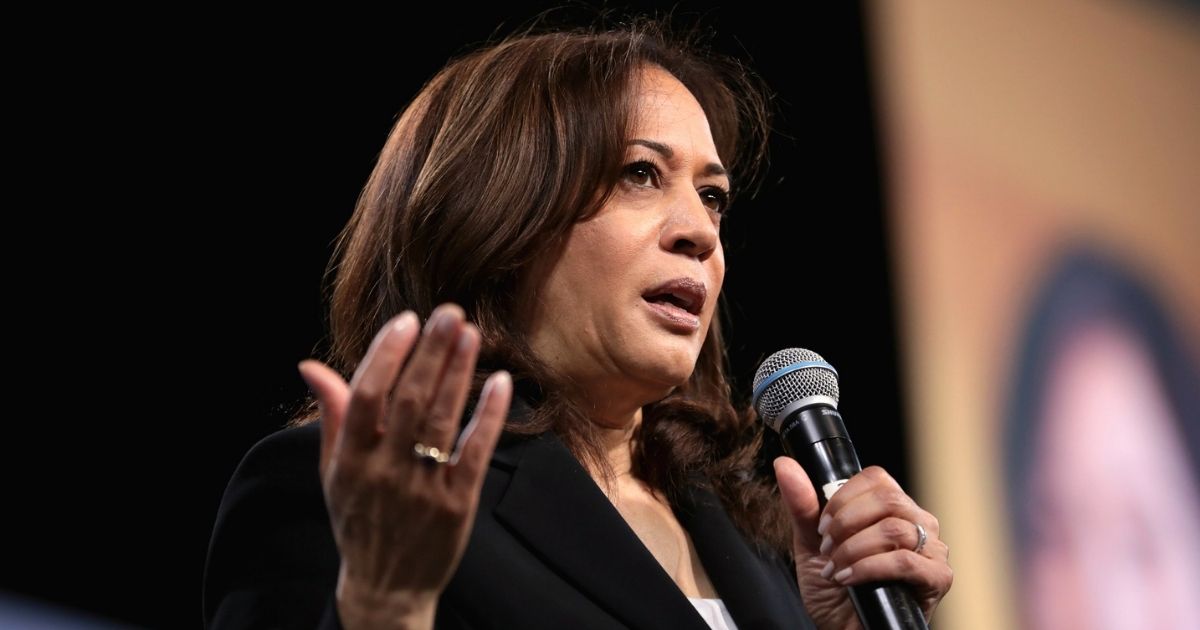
column 666, row 107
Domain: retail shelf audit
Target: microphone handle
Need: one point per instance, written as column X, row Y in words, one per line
column 816, row 437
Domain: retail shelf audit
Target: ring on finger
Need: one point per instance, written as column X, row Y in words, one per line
column 431, row 455
column 921, row 538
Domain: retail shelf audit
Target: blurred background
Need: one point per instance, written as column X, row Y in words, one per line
column 1044, row 203
column 986, row 217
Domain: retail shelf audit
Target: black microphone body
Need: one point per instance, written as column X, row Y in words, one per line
column 796, row 394
column 816, row 437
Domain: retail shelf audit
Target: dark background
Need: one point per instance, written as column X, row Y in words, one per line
column 187, row 187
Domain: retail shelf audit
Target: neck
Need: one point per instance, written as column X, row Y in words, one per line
column 616, row 438
column 618, row 445
column 617, row 418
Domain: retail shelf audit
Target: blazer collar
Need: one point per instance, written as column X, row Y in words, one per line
column 557, row 509
column 758, row 594
column 555, row 506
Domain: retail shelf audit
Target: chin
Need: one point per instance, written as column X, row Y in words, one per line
column 671, row 370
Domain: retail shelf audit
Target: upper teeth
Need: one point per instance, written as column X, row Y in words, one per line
column 682, row 301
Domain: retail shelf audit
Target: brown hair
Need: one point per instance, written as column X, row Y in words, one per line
column 488, row 168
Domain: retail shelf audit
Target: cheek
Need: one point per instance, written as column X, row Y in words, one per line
column 602, row 243
column 715, row 268
column 594, row 270
column 607, row 263
column 716, row 277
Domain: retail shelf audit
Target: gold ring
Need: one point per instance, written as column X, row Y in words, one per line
column 431, row 454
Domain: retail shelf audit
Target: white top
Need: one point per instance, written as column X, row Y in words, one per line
column 714, row 612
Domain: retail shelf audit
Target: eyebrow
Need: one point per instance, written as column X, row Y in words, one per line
column 710, row 169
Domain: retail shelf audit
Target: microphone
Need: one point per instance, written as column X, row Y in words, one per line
column 796, row 394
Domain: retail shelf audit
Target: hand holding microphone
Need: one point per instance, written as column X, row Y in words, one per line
column 862, row 546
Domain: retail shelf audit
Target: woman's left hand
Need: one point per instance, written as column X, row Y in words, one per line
column 867, row 533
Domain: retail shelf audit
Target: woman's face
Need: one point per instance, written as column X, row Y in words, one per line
column 626, row 307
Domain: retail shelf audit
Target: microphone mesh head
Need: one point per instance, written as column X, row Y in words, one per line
column 793, row 386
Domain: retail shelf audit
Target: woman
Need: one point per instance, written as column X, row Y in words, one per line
column 550, row 206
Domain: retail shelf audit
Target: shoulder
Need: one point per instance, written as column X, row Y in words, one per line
column 285, row 461
column 272, row 556
column 287, row 457
column 278, row 476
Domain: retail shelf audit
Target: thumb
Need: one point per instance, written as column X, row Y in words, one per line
column 333, row 396
column 801, row 501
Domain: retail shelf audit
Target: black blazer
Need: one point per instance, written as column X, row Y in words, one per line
column 548, row 550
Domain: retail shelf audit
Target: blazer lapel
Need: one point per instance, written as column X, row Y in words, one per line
column 559, row 511
column 759, row 594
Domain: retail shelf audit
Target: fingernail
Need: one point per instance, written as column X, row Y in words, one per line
column 311, row 389
column 435, row 317
column 826, row 545
column 461, row 443
column 485, row 394
column 841, row 576
column 303, row 374
column 442, row 320
column 827, row 570
column 406, row 319
column 466, row 341
column 823, row 524
column 446, row 323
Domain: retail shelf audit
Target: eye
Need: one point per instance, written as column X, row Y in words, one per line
column 715, row 198
column 642, row 174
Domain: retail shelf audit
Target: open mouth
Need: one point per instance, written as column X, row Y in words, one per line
column 672, row 301
column 679, row 297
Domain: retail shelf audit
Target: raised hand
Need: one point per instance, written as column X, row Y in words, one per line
column 401, row 519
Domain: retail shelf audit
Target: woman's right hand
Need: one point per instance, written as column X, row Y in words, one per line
column 400, row 522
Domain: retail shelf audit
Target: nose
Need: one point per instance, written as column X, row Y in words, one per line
column 690, row 229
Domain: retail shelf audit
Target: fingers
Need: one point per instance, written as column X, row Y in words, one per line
column 400, row 518
column 425, row 396
column 396, row 391
column 882, row 500
column 373, row 381
column 887, row 535
column 442, row 421
column 478, row 439
column 869, row 533
column 801, row 500
column 425, row 402
column 332, row 394
column 868, row 480
column 927, row 574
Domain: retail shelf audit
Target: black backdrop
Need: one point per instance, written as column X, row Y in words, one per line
column 229, row 152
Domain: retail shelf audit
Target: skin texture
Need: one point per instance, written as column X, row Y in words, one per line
column 401, row 526
column 865, row 534
column 591, row 322
column 589, row 319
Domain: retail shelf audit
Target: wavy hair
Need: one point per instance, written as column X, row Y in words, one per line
column 488, row 168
